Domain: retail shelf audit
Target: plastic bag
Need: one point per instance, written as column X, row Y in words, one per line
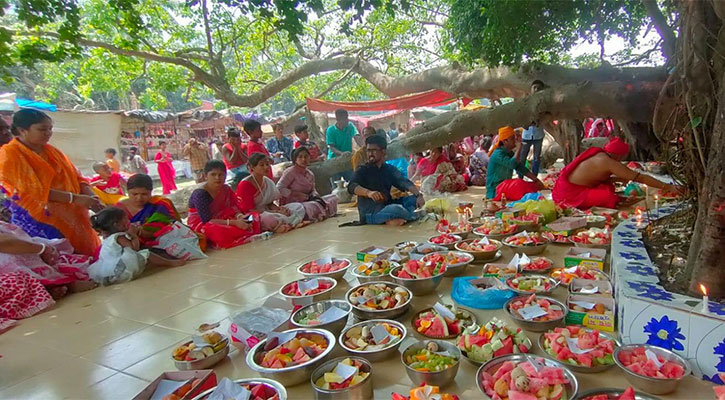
column 470, row 296
column 179, row 241
column 249, row 327
column 545, row 208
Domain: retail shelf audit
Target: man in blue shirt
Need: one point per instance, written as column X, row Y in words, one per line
column 339, row 140
column 532, row 136
column 372, row 183
column 392, row 133
column 280, row 147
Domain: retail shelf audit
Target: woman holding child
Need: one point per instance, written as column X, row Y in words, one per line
column 258, row 193
column 215, row 211
column 297, row 184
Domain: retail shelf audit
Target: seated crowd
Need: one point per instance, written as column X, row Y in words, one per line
column 50, row 245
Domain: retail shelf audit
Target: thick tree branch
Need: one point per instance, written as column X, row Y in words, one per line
column 617, row 100
column 660, row 23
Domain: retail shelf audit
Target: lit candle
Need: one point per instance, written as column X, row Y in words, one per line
column 705, row 299
column 657, row 204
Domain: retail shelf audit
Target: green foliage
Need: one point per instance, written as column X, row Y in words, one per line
column 510, row 32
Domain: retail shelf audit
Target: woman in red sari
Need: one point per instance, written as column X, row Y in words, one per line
column 214, row 211
column 167, row 173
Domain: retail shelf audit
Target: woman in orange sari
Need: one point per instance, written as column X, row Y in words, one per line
column 51, row 197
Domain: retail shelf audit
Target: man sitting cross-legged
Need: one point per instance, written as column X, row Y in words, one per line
column 372, row 182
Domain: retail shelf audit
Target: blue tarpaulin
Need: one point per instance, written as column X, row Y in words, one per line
column 37, row 105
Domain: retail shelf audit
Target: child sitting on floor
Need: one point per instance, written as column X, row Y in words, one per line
column 107, row 185
column 121, row 258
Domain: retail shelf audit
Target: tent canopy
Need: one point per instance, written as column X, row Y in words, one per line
column 430, row 98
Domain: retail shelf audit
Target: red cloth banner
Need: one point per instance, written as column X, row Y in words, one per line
column 430, row 98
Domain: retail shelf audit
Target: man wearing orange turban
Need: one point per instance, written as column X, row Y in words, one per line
column 588, row 181
column 501, row 166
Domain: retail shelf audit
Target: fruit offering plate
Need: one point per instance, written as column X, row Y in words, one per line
column 614, row 394
column 523, row 376
column 450, row 259
column 650, row 368
column 528, row 284
column 326, row 266
column 333, row 377
column 587, row 286
column 201, row 352
column 495, row 339
column 425, row 392
column 481, row 249
column 462, row 230
column 537, row 264
column 290, row 349
column 259, row 388
column 445, row 239
column 360, row 338
column 529, row 243
column 500, row 270
column 420, row 269
column 556, row 238
column 535, row 313
column 432, row 324
column 306, row 287
column 593, row 238
column 374, row 270
column 565, row 275
column 527, row 221
column 430, row 359
column 379, row 300
column 581, row 349
column 495, row 228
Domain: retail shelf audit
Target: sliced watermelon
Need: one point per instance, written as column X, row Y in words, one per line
column 438, row 328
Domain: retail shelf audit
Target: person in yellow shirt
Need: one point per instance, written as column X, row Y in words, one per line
column 111, row 160
column 360, row 157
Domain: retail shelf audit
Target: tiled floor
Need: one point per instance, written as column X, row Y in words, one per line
column 108, row 343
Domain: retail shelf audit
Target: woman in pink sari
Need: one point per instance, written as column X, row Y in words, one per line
column 214, row 210
column 297, row 185
column 167, row 173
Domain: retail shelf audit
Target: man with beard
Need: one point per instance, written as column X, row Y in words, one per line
column 372, row 182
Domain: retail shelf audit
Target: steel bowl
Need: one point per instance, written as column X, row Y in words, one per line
column 402, row 246
column 374, row 355
column 391, row 313
column 296, row 374
column 476, row 221
column 305, row 300
column 417, row 255
column 204, row 363
column 419, row 287
column 529, row 250
column 278, row 387
column 554, row 283
column 590, row 246
column 556, row 274
column 463, row 235
column 361, row 391
column 449, row 246
column 485, row 271
column 335, row 326
column 579, row 368
column 469, row 315
column 454, row 269
column 613, row 392
column 377, row 278
column 500, row 236
column 440, row 378
column 480, row 255
column 334, row 275
column 645, row 383
column 494, row 364
column 597, row 221
column 535, row 326
column 539, row 271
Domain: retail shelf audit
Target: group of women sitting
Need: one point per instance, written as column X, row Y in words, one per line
column 49, row 245
column 228, row 219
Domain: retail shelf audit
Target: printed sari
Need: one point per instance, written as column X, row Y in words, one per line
column 21, row 296
column 203, row 208
column 254, row 199
column 70, row 267
column 30, row 177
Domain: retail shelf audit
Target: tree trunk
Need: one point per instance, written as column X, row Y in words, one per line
column 645, row 144
column 707, row 250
